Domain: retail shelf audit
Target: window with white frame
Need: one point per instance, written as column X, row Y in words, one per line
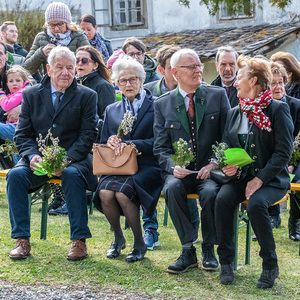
column 128, row 12
column 243, row 13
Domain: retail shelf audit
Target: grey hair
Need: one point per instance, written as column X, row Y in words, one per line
column 63, row 51
column 124, row 62
column 226, row 49
column 176, row 56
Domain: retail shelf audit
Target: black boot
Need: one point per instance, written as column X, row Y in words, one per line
column 187, row 260
column 209, row 261
column 267, row 278
column 294, row 229
column 226, row 274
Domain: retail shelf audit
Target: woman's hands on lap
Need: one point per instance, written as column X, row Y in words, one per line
column 252, row 186
column 115, row 143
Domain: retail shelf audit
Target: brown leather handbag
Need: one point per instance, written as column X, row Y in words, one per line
column 105, row 162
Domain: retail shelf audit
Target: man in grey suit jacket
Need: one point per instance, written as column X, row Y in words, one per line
column 69, row 110
column 196, row 113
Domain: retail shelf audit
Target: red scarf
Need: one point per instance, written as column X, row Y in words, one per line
column 253, row 109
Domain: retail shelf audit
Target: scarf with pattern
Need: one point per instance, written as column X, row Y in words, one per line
column 99, row 44
column 253, row 109
column 62, row 39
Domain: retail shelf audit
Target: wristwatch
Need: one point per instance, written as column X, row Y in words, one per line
column 70, row 160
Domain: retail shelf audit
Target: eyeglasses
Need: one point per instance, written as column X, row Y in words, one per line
column 84, row 60
column 59, row 25
column 274, row 84
column 193, row 67
column 134, row 54
column 131, row 80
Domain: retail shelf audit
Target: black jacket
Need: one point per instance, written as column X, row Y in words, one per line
column 270, row 150
column 74, row 123
column 233, row 98
column 20, row 50
column 105, row 91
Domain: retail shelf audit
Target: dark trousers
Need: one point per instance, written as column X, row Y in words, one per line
column 20, row 179
column 295, row 198
column 229, row 196
column 176, row 191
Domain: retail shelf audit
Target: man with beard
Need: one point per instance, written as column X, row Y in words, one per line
column 227, row 68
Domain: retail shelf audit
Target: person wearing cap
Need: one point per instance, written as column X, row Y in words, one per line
column 58, row 30
column 87, row 23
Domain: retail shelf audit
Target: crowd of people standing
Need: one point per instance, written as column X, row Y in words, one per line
column 68, row 83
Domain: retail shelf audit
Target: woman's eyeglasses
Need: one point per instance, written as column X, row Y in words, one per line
column 84, row 60
column 131, row 80
column 59, row 25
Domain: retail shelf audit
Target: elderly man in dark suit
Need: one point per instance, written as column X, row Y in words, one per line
column 227, row 68
column 196, row 113
column 69, row 110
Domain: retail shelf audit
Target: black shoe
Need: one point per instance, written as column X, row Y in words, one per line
column 186, row 260
column 58, row 199
column 294, row 229
column 62, row 210
column 254, row 238
column 115, row 249
column 226, row 275
column 135, row 255
column 267, row 278
column 209, row 261
column 275, row 221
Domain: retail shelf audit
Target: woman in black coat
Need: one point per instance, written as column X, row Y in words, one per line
column 92, row 72
column 265, row 127
column 124, row 194
column 292, row 66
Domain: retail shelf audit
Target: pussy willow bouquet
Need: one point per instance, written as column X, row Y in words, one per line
column 10, row 148
column 183, row 155
column 54, row 157
column 218, row 150
column 296, row 151
column 126, row 124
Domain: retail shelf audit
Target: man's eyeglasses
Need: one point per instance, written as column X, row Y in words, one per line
column 84, row 61
column 135, row 54
column 274, row 84
column 193, row 67
column 60, row 24
column 131, row 80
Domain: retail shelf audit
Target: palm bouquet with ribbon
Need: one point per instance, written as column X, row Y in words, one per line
column 54, row 157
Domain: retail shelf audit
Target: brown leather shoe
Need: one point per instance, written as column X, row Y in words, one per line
column 21, row 251
column 78, row 251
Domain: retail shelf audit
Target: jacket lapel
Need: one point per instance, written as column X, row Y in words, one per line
column 181, row 111
column 200, row 104
column 144, row 108
column 45, row 94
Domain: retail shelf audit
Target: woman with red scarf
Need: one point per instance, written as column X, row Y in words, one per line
column 264, row 128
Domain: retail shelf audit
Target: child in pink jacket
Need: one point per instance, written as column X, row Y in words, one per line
column 17, row 81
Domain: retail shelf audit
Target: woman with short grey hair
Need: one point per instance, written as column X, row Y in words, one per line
column 123, row 194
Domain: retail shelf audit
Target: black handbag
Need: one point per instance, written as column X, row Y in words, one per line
column 220, row 177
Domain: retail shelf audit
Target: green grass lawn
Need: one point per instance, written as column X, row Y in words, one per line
column 48, row 264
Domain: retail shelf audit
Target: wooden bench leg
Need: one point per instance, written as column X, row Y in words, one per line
column 236, row 235
column 248, row 243
column 166, row 215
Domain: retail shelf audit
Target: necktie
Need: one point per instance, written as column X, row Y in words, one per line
column 191, row 109
column 57, row 100
column 227, row 88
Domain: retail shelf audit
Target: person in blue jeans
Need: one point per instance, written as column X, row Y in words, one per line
column 158, row 88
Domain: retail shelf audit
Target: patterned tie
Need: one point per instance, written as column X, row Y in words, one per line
column 57, row 100
column 227, row 88
column 191, row 109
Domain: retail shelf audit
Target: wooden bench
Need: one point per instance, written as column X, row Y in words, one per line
column 240, row 215
column 41, row 196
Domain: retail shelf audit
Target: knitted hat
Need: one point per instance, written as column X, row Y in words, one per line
column 58, row 11
column 114, row 57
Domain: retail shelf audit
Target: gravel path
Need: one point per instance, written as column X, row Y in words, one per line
column 11, row 291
